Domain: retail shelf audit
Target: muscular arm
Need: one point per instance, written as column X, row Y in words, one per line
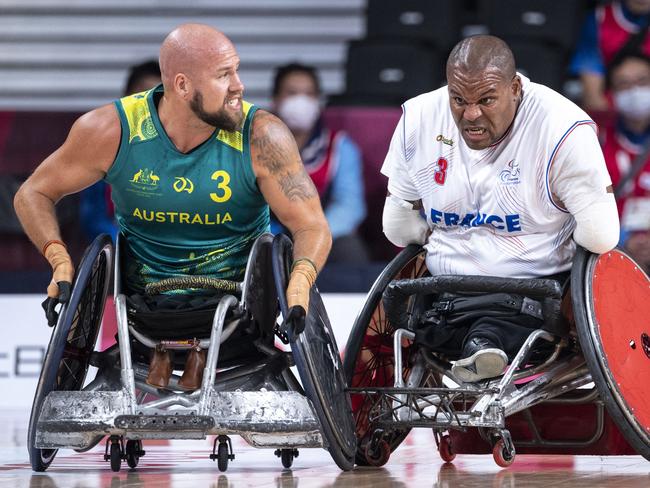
column 287, row 188
column 84, row 158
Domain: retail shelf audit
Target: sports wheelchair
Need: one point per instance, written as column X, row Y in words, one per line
column 578, row 385
column 252, row 393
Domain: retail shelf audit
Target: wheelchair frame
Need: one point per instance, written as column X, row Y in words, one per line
column 278, row 415
column 409, row 402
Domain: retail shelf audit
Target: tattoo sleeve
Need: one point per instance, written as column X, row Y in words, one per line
column 276, row 151
column 297, row 185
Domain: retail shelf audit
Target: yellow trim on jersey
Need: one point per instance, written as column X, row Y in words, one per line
column 136, row 109
column 235, row 139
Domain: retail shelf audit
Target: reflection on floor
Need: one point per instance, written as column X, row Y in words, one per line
column 185, row 464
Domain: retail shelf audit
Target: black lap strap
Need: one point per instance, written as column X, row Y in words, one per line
column 460, row 309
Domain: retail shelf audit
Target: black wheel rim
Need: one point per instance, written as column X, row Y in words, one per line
column 314, row 350
column 74, row 337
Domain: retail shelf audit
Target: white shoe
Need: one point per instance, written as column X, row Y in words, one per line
column 486, row 363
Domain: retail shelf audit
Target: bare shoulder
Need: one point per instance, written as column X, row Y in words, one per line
column 85, row 156
column 97, row 133
column 272, row 144
column 265, row 122
column 103, row 122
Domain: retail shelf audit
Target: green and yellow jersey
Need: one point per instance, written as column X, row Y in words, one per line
column 195, row 213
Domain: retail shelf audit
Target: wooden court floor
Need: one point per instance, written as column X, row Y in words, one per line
column 185, row 464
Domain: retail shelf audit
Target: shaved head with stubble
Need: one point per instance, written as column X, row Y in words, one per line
column 484, row 89
column 199, row 65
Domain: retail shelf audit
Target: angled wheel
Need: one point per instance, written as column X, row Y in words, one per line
column 611, row 305
column 319, row 364
column 258, row 288
column 369, row 359
column 73, row 339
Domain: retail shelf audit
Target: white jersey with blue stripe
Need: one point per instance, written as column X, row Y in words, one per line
column 504, row 210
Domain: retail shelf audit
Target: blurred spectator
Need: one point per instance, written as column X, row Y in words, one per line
column 95, row 205
column 331, row 158
column 629, row 82
column 142, row 77
column 608, row 30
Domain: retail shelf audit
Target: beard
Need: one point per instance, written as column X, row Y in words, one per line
column 220, row 119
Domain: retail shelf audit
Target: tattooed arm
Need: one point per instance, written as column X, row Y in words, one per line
column 290, row 193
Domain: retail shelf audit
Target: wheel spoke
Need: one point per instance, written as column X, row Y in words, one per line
column 374, row 362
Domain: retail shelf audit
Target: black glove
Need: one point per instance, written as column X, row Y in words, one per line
column 50, row 303
column 295, row 321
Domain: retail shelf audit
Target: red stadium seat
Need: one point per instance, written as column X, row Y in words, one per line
column 26, row 139
column 371, row 128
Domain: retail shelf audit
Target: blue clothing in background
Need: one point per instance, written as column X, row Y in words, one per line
column 345, row 204
column 346, row 207
column 96, row 213
column 587, row 57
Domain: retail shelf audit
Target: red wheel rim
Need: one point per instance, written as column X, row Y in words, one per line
column 621, row 307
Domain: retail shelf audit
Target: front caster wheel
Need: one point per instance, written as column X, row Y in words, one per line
column 133, row 452
column 116, row 457
column 379, row 455
column 222, row 457
column 287, row 456
column 446, row 450
column 223, row 453
column 503, row 456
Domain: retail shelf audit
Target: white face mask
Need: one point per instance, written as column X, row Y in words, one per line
column 299, row 112
column 633, row 102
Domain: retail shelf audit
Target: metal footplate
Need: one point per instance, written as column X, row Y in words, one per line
column 74, row 419
column 165, row 423
column 438, row 408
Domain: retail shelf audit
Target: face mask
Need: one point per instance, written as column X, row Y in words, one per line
column 299, row 112
column 633, row 102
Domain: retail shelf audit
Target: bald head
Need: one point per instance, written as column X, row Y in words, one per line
column 189, row 48
column 477, row 54
column 200, row 73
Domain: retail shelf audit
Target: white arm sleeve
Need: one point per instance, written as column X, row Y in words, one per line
column 402, row 224
column 395, row 167
column 578, row 180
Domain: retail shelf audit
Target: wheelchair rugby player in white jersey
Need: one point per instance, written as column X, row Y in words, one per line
column 509, row 292
column 510, row 176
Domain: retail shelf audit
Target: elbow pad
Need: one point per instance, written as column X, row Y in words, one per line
column 402, row 224
column 597, row 225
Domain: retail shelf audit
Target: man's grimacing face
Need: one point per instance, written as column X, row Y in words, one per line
column 483, row 104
